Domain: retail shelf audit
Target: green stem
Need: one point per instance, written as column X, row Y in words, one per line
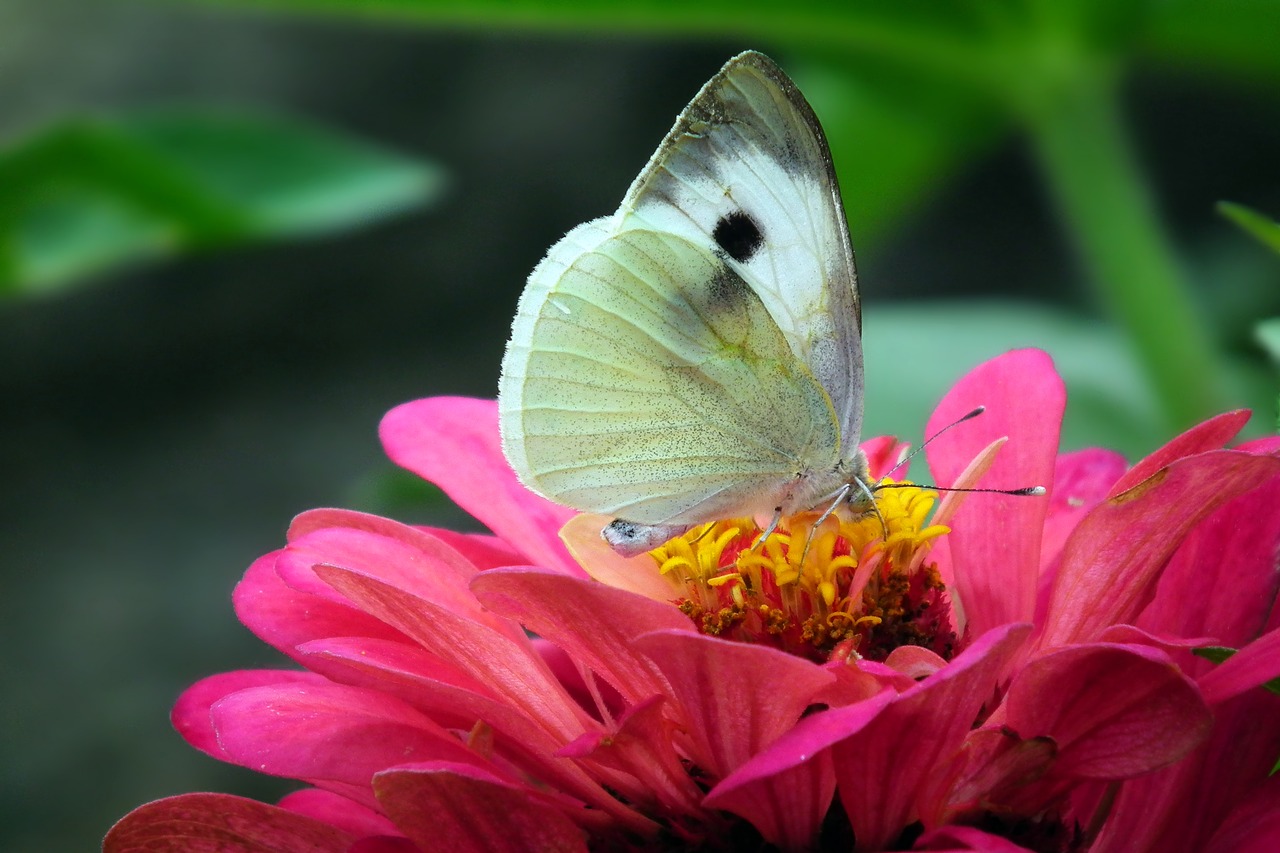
column 1085, row 154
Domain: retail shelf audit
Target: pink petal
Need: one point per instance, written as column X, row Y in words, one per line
column 993, row 766
column 460, row 809
column 455, row 701
column 1113, row 711
column 860, row 680
column 802, row 742
column 785, row 791
column 915, row 662
column 401, row 556
column 1222, row 581
column 1180, row 807
column 480, row 550
column 594, row 623
column 788, row 807
column 880, row 768
column 1248, row 668
column 1210, row 435
column 191, row 713
column 736, row 698
column 1081, row 480
column 327, row 732
column 506, row 665
column 334, row 810
column 883, row 453
column 643, row 749
column 571, row 675
column 453, row 442
column 1114, row 557
column 221, row 823
column 995, row 539
column 1131, row 635
column 284, row 618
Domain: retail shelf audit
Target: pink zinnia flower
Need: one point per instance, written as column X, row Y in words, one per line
column 1021, row 682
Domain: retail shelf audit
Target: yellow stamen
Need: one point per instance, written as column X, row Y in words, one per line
column 808, row 587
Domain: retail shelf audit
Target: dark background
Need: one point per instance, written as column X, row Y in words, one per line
column 159, row 429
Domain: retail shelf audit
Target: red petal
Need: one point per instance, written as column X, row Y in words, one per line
column 882, row 767
column 453, row 442
column 220, row 823
column 1210, row 435
column 1113, row 711
column 786, row 789
column 965, row 839
column 461, row 809
column 1222, row 581
column 1114, row 557
column 735, row 698
column 993, row 766
column 1180, row 807
column 335, row 810
column 1081, row 480
column 1253, row 665
column 915, row 662
column 1254, row 825
column 653, row 776
column 995, row 539
column 883, row 453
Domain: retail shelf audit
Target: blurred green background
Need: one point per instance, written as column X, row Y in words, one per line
column 233, row 234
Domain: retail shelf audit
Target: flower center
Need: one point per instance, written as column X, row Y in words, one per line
column 856, row 583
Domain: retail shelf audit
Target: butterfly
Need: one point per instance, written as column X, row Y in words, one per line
column 697, row 355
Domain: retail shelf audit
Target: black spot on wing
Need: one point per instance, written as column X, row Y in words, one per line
column 738, row 235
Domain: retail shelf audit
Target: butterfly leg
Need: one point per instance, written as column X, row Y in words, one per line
column 768, row 531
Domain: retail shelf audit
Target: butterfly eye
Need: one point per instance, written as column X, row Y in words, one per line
column 738, row 235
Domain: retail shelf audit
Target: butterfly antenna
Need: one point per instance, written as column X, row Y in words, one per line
column 931, row 439
column 1026, row 491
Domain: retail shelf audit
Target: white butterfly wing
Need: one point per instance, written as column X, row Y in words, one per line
column 690, row 356
column 747, row 172
column 645, row 379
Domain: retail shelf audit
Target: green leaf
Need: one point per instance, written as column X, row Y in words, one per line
column 894, row 142
column 86, row 195
column 1267, row 333
column 1261, row 227
column 1218, row 654
column 1237, row 37
column 395, row 493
